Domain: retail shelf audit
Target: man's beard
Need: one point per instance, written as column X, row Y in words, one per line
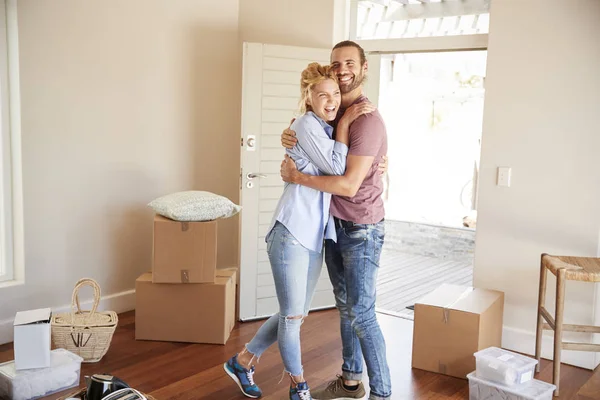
column 356, row 82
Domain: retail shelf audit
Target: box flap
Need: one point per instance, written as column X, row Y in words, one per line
column 223, row 280
column 226, row 272
column 478, row 301
column 461, row 298
column 445, row 296
column 33, row 316
column 145, row 277
column 160, row 218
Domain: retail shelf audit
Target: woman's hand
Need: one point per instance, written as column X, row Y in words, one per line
column 382, row 167
column 356, row 111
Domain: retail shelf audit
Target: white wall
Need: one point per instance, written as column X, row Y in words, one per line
column 121, row 102
column 541, row 118
column 308, row 23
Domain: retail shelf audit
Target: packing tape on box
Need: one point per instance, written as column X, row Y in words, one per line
column 449, row 305
column 185, row 276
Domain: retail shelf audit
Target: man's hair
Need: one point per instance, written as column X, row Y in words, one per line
column 350, row 43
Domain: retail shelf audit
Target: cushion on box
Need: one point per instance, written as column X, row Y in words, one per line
column 194, row 205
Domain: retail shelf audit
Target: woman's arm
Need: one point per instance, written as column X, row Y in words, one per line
column 342, row 132
column 329, row 156
column 317, row 145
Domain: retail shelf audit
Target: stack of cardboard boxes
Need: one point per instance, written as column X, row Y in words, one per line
column 185, row 298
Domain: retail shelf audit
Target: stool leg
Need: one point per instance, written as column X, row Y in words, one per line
column 540, row 319
column 560, row 307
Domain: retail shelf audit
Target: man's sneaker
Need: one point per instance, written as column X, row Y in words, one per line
column 243, row 377
column 335, row 390
column 300, row 392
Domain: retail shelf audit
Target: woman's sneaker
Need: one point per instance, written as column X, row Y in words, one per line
column 243, row 377
column 300, row 392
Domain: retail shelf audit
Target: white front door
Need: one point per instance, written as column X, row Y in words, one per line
column 270, row 99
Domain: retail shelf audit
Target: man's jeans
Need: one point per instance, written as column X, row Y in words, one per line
column 296, row 271
column 353, row 263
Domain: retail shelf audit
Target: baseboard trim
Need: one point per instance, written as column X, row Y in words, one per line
column 118, row 302
column 518, row 340
column 523, row 341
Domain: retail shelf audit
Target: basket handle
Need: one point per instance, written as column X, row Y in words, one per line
column 75, row 306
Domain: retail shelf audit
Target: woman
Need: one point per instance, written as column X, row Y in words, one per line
column 300, row 223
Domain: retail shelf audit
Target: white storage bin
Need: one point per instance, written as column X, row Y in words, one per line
column 480, row 389
column 504, row 367
column 27, row 384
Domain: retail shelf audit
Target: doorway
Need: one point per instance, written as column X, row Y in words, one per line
column 432, row 104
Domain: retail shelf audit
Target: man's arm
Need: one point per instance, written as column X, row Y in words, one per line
column 347, row 185
column 327, row 155
column 288, row 140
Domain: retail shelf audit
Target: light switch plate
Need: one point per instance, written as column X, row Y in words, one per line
column 503, row 176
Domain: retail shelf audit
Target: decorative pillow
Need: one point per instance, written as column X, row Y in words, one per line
column 194, row 205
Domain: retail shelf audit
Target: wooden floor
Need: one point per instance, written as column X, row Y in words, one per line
column 194, row 371
column 404, row 278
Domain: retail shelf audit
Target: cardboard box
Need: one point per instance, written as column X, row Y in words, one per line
column 194, row 313
column 184, row 252
column 231, row 308
column 451, row 324
column 32, row 339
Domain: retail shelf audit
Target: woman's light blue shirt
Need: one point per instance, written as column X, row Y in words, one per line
column 305, row 211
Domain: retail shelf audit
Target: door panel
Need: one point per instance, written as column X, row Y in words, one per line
column 270, row 99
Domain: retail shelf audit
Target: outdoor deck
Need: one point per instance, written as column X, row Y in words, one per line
column 404, row 278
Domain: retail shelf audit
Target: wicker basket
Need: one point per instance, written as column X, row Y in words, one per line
column 85, row 333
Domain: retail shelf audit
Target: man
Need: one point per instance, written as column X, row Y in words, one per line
column 358, row 213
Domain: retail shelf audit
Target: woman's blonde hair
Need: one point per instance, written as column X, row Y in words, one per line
column 314, row 74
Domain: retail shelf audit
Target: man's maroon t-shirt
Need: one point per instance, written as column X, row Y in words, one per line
column 368, row 137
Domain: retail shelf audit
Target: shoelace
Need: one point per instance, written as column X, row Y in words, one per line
column 304, row 395
column 335, row 385
column 250, row 376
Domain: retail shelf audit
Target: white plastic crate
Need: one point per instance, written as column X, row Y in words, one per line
column 480, row 389
column 27, row 384
column 504, row 367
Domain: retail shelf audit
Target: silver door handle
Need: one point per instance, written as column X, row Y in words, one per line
column 252, row 175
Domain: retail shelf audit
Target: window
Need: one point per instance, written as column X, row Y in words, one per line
column 11, row 220
column 399, row 19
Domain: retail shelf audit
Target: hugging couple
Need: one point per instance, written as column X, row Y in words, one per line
column 331, row 205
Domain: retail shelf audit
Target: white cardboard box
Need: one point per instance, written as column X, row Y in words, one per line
column 32, row 339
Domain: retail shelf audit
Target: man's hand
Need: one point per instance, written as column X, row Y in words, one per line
column 288, row 171
column 382, row 167
column 288, row 137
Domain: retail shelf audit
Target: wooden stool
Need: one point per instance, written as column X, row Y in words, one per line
column 586, row 269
